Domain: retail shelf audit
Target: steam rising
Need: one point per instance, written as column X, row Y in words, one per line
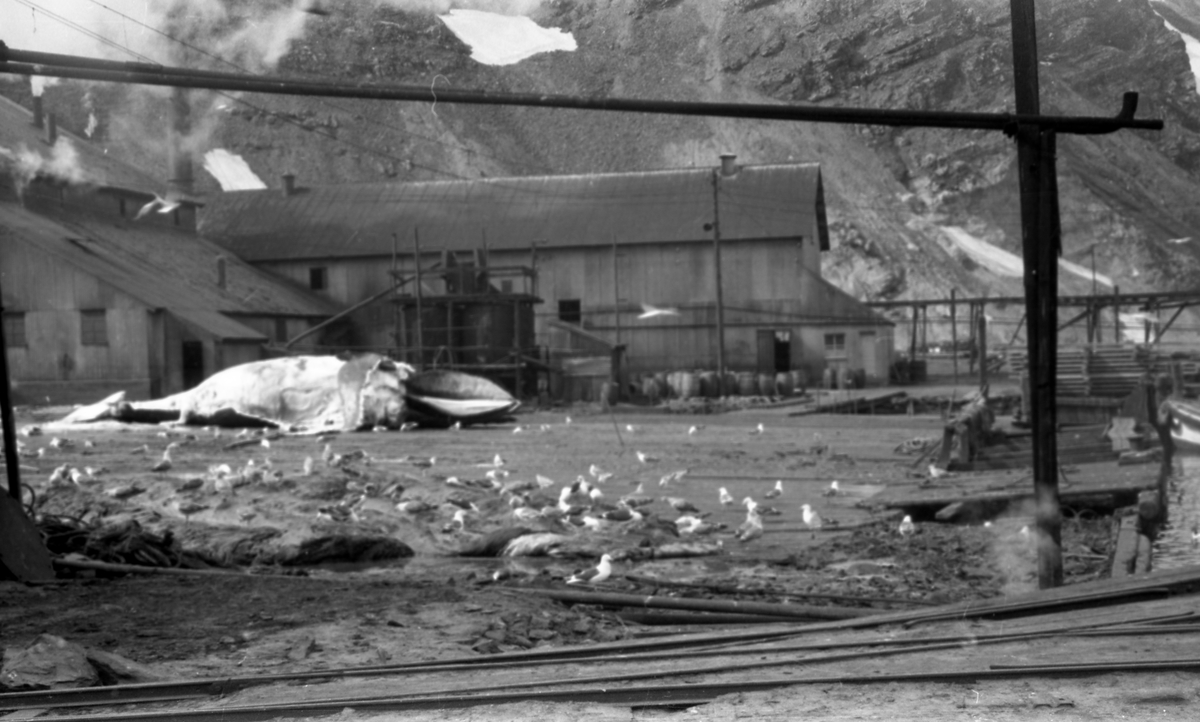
column 25, row 164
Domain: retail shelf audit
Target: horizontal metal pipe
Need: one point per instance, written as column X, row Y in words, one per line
column 24, row 62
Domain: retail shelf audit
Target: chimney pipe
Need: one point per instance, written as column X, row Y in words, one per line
column 728, row 164
column 289, row 184
column 179, row 158
column 38, row 114
column 221, row 272
column 51, row 129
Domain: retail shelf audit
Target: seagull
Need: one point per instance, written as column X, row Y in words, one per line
column 697, row 428
column 680, row 505
column 758, row 429
column 750, row 529
column 544, row 482
column 408, row 426
column 777, row 490
column 907, row 528
column 622, row 514
column 595, row 575
column 725, row 497
column 164, row 464
column 833, row 489
column 812, row 519
column 456, row 426
column 187, row 508
column 595, row 470
column 308, row 466
column 649, row 311
column 266, row 443
column 646, row 458
column 936, row 472
column 164, row 205
column 632, row 429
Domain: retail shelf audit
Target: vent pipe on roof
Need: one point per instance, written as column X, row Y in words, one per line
column 289, row 184
column 728, row 164
column 38, row 115
column 51, row 129
column 221, row 272
column 179, row 156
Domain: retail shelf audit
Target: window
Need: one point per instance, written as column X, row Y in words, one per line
column 318, row 278
column 14, row 330
column 835, row 344
column 93, row 328
column 570, row 310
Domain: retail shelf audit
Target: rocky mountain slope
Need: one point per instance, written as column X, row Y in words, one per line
column 890, row 192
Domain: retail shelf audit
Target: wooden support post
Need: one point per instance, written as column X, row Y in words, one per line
column 420, row 322
column 1039, row 206
column 982, row 334
column 720, row 294
column 12, row 464
column 954, row 330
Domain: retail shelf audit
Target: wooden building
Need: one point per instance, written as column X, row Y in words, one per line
column 600, row 246
column 96, row 300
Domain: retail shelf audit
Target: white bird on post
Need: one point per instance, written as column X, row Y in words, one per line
column 595, row 575
column 649, row 311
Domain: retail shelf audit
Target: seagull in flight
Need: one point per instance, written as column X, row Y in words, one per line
column 649, row 311
column 164, row 205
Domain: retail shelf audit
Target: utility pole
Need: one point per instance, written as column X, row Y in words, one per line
column 1040, row 243
column 716, row 229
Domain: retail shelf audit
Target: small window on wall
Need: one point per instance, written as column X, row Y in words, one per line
column 318, row 278
column 93, row 328
column 14, row 330
column 570, row 310
column 835, row 344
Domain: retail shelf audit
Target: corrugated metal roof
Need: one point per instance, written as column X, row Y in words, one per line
column 17, row 132
column 671, row 206
column 173, row 270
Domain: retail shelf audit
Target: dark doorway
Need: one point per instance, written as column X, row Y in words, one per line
column 193, row 364
column 774, row 351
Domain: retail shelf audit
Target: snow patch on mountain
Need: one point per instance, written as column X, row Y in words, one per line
column 504, row 39
column 1003, row 263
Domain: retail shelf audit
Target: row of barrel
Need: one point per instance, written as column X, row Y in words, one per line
column 707, row 384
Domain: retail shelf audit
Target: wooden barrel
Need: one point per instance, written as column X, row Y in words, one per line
column 766, row 385
column 783, row 383
column 651, row 389
column 608, row 393
column 845, row 378
column 689, row 385
column 710, row 384
column 747, row 384
column 731, row 384
column 673, row 384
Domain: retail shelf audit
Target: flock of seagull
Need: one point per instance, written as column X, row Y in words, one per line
column 581, row 505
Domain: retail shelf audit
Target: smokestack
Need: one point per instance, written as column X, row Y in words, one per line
column 728, row 164
column 221, row 272
column 51, row 129
column 38, row 114
column 289, row 184
column 179, row 159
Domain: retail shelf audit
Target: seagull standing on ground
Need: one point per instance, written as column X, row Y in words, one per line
column 164, row 464
column 812, row 519
column 833, row 489
column 758, row 429
column 777, row 490
column 725, row 497
column 595, row 575
column 907, row 528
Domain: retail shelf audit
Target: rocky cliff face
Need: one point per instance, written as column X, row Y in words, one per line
column 890, row 192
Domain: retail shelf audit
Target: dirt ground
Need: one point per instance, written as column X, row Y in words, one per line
column 374, row 603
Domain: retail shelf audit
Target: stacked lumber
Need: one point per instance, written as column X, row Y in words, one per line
column 1116, row 370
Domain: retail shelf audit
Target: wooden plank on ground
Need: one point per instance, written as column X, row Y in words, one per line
column 1078, row 482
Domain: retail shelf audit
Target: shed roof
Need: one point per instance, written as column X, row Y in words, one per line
column 668, row 206
column 162, row 268
column 18, row 135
